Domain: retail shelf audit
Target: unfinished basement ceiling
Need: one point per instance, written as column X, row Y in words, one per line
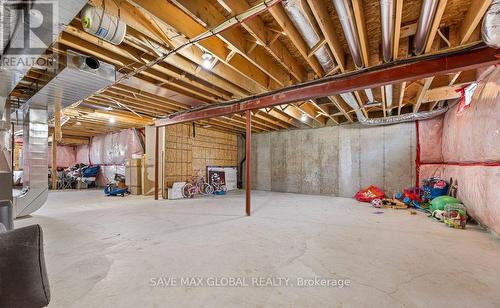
column 264, row 53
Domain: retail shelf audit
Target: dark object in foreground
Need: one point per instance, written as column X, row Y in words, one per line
column 23, row 276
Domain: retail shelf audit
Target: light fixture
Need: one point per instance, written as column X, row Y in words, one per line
column 112, row 120
column 303, row 117
column 78, row 123
column 207, row 60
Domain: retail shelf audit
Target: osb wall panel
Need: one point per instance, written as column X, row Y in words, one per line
column 186, row 155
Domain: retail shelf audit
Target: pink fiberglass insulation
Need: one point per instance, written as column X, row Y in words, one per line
column 82, row 154
column 471, row 152
column 474, row 134
column 66, row 156
column 431, row 132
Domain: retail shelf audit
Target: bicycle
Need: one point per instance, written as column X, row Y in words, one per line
column 217, row 183
column 198, row 185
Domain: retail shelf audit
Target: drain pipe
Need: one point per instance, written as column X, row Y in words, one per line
column 427, row 13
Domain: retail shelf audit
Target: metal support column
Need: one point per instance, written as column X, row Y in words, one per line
column 248, row 147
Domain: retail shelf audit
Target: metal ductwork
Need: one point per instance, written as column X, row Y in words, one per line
column 8, row 20
column 82, row 77
column 427, row 13
column 296, row 12
column 410, row 117
column 350, row 31
column 18, row 59
column 491, row 25
column 351, row 101
column 387, row 26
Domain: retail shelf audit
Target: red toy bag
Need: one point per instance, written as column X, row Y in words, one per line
column 368, row 194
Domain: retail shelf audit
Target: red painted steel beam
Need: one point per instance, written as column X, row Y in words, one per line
column 359, row 80
column 248, row 150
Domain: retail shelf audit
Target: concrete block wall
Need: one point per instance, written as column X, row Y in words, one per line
column 337, row 160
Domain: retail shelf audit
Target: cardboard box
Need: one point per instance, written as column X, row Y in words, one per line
column 147, row 175
column 133, row 176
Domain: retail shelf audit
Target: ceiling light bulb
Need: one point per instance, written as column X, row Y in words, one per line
column 207, row 60
column 303, row 117
column 112, row 120
column 206, row 64
column 78, row 123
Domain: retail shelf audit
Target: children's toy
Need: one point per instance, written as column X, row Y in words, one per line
column 455, row 215
column 377, row 203
column 399, row 196
column 438, row 215
column 439, row 203
column 112, row 190
column 370, row 193
column 434, row 187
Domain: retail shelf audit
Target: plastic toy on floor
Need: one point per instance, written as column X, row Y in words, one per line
column 113, row 190
column 377, row 203
column 455, row 215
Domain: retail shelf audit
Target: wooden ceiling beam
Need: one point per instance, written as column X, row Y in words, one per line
column 435, row 25
column 475, row 13
column 359, row 18
column 186, row 25
column 341, row 106
column 234, row 37
column 401, row 97
column 397, row 27
column 421, row 93
column 279, row 14
column 268, row 40
column 320, row 12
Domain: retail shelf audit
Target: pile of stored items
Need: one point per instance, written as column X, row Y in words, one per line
column 436, row 197
column 77, row 177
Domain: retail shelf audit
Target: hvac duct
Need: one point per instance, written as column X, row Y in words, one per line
column 17, row 59
column 81, row 77
column 491, row 25
column 351, row 33
column 351, row 101
column 8, row 21
column 410, row 117
column 387, row 25
column 110, row 28
column 424, row 25
column 296, row 12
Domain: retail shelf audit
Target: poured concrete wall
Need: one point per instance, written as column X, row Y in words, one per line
column 337, row 160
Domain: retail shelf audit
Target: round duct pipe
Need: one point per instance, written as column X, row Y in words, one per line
column 424, row 25
column 491, row 25
column 387, row 24
column 350, row 30
column 92, row 63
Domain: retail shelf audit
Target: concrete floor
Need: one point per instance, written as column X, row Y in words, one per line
column 108, row 252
